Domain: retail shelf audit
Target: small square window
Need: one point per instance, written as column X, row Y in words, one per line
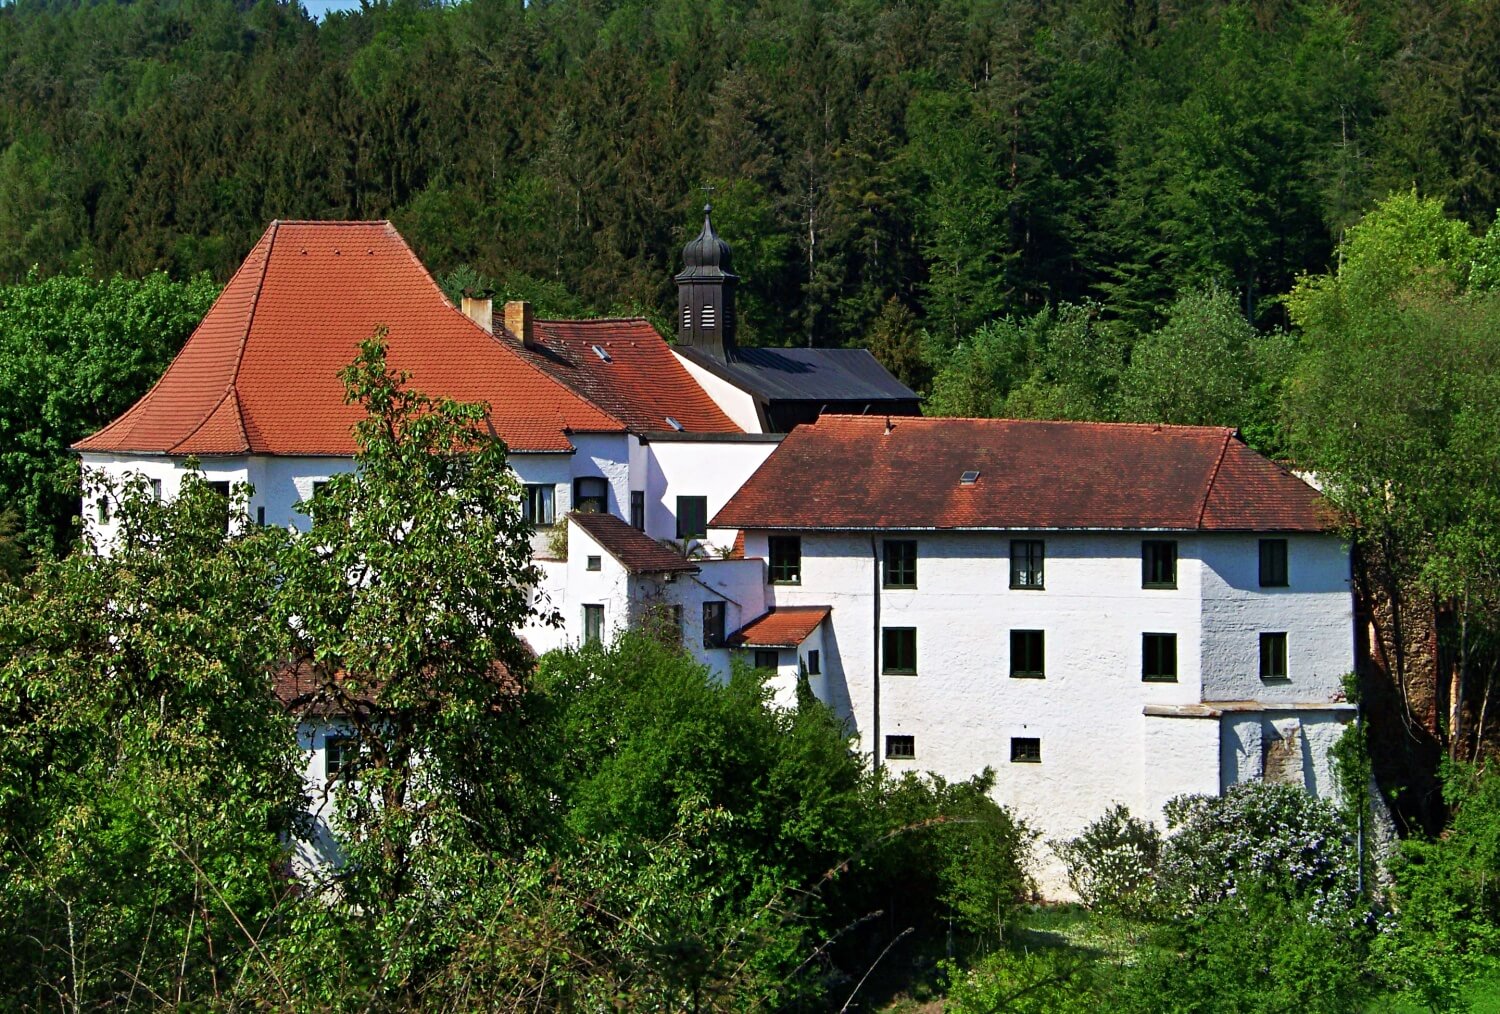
column 1026, row 557
column 1025, row 750
column 593, row 624
column 539, row 504
column 900, row 563
column 901, row 747
column 594, row 563
column 1159, row 563
column 785, row 552
column 767, row 658
column 814, row 663
column 638, row 509
column 1159, row 657
column 692, row 517
column 340, row 751
column 1027, row 654
column 713, row 624
column 1273, row 656
column 899, row 650
column 1273, row 572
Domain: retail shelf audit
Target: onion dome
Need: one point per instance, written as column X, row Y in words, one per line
column 707, row 256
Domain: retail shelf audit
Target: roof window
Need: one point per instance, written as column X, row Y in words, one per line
column 674, row 424
column 601, row 354
column 969, row 478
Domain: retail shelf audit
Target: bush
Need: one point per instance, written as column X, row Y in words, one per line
column 1112, row 864
column 1275, row 839
column 1037, row 982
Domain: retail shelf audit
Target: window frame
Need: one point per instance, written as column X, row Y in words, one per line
column 699, row 508
column 907, row 745
column 815, row 662
column 1019, row 638
column 791, row 568
column 1276, row 642
column 638, row 509
column 715, row 612
column 1150, row 550
column 222, row 488
column 346, row 744
column 593, row 623
column 1026, row 749
column 898, row 564
column 1037, row 562
column 548, row 492
column 1277, row 548
column 760, row 659
column 598, row 482
column 593, row 563
column 905, row 641
column 1162, row 638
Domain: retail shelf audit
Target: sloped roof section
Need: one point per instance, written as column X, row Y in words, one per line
column 637, row 552
column 828, row 375
column 781, row 627
column 636, row 379
column 862, row 472
column 260, row 373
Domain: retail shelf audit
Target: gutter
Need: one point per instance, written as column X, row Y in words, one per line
column 875, row 654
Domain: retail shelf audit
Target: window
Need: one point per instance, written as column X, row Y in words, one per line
column 1273, row 656
column 340, row 751
column 260, row 516
column 221, row 490
column 593, row 624
column 1026, row 562
column 539, row 504
column 898, row 650
column 1158, row 563
column 156, row 490
column 900, row 563
column 590, row 495
column 638, row 509
column 1025, row 750
column 669, row 625
column 1273, row 563
column 1027, row 654
column 785, row 552
column 103, row 508
column 318, row 486
column 1159, row 657
column 901, row 747
column 713, row 624
column 814, row 663
column 593, row 563
column 692, row 517
column 767, row 658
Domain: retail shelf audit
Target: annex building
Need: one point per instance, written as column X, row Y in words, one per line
column 1102, row 613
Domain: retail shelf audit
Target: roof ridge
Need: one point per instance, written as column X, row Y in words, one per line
column 239, row 418
column 1208, row 490
column 330, row 221
column 1228, row 431
column 239, row 356
column 596, row 320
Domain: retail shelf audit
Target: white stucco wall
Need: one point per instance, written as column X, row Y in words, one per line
column 739, row 405
column 321, row 849
column 120, row 469
column 714, row 469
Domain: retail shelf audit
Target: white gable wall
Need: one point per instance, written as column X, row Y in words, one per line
column 715, row 469
column 738, row 404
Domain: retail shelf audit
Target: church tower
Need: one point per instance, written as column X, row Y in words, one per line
column 705, row 294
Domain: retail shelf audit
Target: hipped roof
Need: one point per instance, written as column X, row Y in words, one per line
column 260, row 373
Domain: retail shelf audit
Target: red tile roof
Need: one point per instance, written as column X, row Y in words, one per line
column 852, row 472
column 641, row 383
column 636, row 551
column 782, row 627
column 260, row 373
column 305, row 692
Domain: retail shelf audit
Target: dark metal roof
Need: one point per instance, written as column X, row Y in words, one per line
column 822, row 375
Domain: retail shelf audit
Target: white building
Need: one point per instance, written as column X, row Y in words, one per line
column 956, row 621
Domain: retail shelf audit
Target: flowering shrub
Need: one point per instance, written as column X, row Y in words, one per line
column 1277, row 837
column 1112, row 864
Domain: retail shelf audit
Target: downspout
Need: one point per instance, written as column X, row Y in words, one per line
column 875, row 654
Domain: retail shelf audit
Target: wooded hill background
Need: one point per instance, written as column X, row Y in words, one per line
column 967, row 158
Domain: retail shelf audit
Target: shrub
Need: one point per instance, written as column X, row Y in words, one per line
column 1036, row 982
column 1112, row 864
column 1276, row 837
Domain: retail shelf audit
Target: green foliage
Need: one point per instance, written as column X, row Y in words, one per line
column 1032, row 982
column 1112, row 864
column 75, row 352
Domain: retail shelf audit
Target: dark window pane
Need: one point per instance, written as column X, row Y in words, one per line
column 1027, row 653
column 339, row 754
column 1273, row 563
column 814, row 663
column 590, row 495
column 638, row 510
column 901, row 747
column 538, row 504
column 1273, row 657
column 899, row 650
column 1158, row 563
column 692, row 517
column 1025, row 750
column 785, row 553
column 900, row 563
column 221, row 490
column 1026, row 557
column 713, row 624
column 1159, row 656
column 767, row 658
column 594, row 563
column 593, row 624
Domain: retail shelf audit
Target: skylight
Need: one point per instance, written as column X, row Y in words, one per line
column 674, row 424
column 969, row 478
column 602, row 354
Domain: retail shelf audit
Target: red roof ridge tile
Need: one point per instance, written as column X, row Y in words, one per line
column 896, row 420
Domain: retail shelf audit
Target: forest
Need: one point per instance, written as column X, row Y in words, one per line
column 1273, row 215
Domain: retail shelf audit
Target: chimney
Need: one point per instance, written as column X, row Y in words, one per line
column 480, row 308
column 518, row 320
